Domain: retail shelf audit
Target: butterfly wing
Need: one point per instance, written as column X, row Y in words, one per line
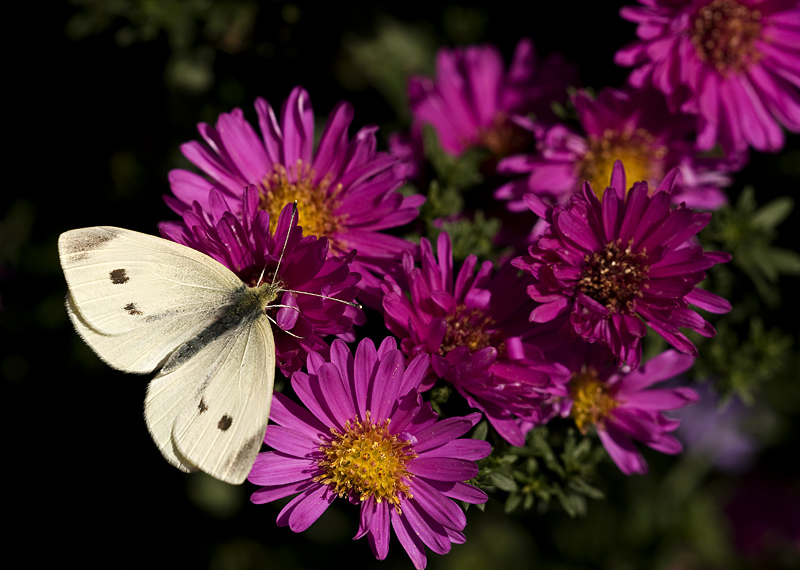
column 135, row 298
column 144, row 303
column 208, row 409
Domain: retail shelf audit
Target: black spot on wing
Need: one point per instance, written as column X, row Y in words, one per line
column 224, row 422
column 119, row 276
column 202, row 407
column 132, row 309
column 80, row 243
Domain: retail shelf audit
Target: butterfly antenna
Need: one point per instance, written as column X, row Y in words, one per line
column 285, row 243
column 356, row 305
column 275, row 275
column 274, row 322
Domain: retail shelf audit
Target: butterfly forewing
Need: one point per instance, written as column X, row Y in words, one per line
column 140, row 350
column 120, row 280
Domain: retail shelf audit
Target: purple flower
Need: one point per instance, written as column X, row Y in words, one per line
column 619, row 403
column 346, row 190
column 734, row 64
column 716, row 432
column 633, row 126
column 617, row 265
column 244, row 244
column 367, row 436
column 475, row 328
column 473, row 98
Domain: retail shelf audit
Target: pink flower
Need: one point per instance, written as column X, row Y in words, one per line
column 633, row 126
column 733, row 63
column 620, row 404
column 615, row 266
column 473, row 98
column 244, row 244
column 475, row 328
column 345, row 189
column 367, row 436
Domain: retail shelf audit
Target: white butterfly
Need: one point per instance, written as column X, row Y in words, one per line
column 143, row 303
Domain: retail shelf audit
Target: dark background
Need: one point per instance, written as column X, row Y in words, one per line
column 100, row 102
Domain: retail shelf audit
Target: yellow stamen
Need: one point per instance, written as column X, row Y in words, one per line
column 367, row 460
column 471, row 328
column 591, row 400
column 640, row 156
column 317, row 202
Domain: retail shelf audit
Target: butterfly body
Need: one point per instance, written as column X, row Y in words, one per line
column 146, row 304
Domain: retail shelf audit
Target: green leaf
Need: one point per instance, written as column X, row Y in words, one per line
column 772, row 214
column 513, row 502
column 481, row 431
column 503, row 482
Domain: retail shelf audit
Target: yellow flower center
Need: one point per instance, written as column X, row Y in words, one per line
column 591, row 400
column 367, row 460
column 471, row 328
column 615, row 277
column 637, row 150
column 724, row 35
column 316, row 202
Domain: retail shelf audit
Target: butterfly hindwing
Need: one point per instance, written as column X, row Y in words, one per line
column 210, row 411
column 140, row 350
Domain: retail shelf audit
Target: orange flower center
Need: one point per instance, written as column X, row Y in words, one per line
column 471, row 328
column 504, row 137
column 640, row 155
column 615, row 277
column 724, row 35
column 317, row 202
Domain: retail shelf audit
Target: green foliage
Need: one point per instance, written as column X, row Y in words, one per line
column 739, row 365
column 744, row 352
column 457, row 173
column 470, row 237
column 553, row 465
column 386, row 59
column 747, row 232
column 444, row 208
column 195, row 29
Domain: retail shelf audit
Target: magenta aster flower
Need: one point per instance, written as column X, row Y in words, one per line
column 733, row 63
column 244, row 244
column 475, row 328
column 620, row 404
column 633, row 126
column 617, row 265
column 473, row 98
column 367, row 436
column 346, row 190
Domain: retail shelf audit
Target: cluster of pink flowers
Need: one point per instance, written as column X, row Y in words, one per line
column 554, row 331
